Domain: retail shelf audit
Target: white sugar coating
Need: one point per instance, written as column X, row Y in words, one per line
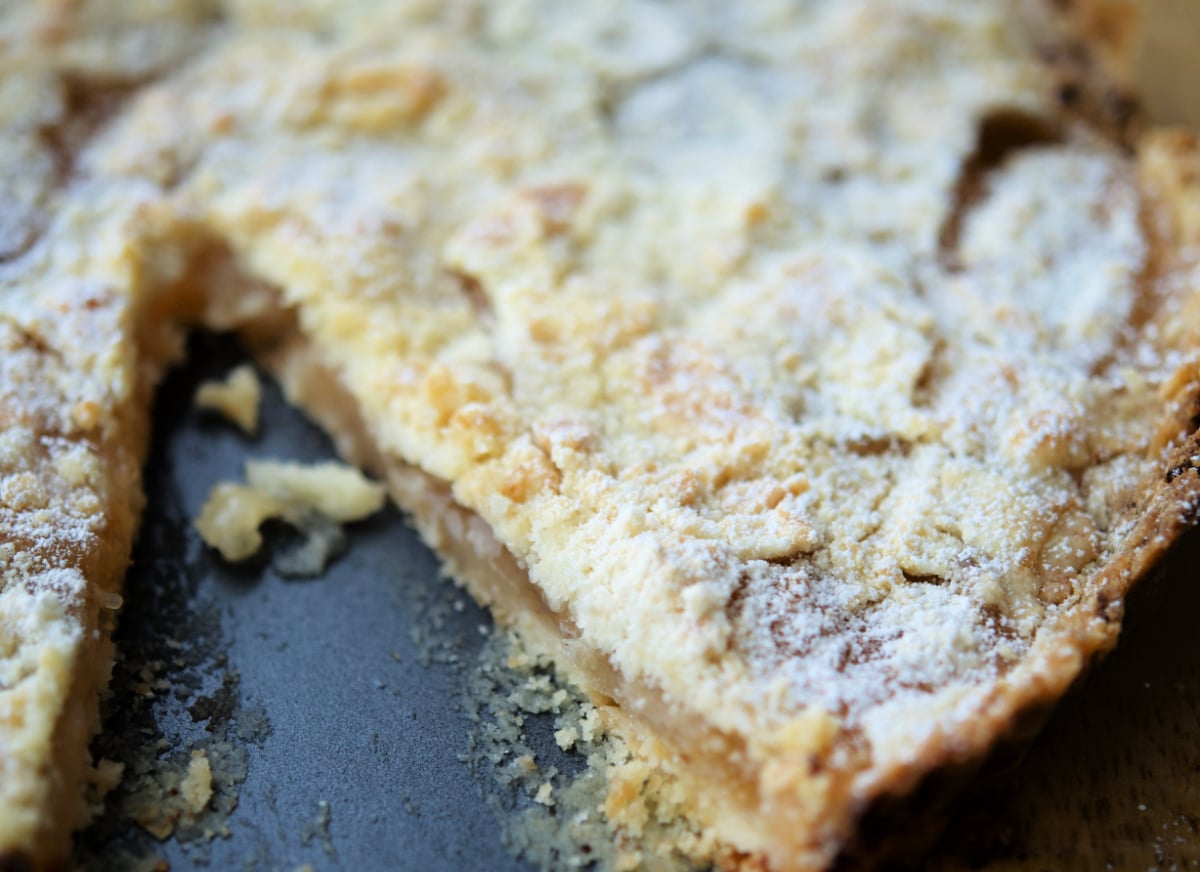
column 718, row 387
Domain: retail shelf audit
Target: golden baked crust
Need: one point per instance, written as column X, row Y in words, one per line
column 827, row 375
column 77, row 363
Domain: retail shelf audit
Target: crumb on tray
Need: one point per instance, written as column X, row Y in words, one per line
column 237, row 397
column 315, row 499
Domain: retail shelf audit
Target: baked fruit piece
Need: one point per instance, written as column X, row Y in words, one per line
column 810, row 381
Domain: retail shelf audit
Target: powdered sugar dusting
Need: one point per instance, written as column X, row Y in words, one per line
column 717, row 255
column 666, row 296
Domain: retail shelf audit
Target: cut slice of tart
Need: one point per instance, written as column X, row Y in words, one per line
column 77, row 365
column 810, row 380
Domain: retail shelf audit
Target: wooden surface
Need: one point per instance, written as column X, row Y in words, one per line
column 1168, row 63
column 1114, row 780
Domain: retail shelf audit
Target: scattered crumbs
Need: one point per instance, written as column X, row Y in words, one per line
column 230, row 518
column 335, row 490
column 251, row 724
column 106, row 775
column 428, row 632
column 172, row 796
column 318, row 829
column 196, row 787
column 170, row 763
column 322, row 540
column 549, row 770
column 566, row 738
column 237, row 397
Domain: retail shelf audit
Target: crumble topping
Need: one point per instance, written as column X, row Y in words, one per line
column 836, row 460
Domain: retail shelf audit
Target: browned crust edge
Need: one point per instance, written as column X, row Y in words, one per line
column 901, row 824
column 905, row 821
